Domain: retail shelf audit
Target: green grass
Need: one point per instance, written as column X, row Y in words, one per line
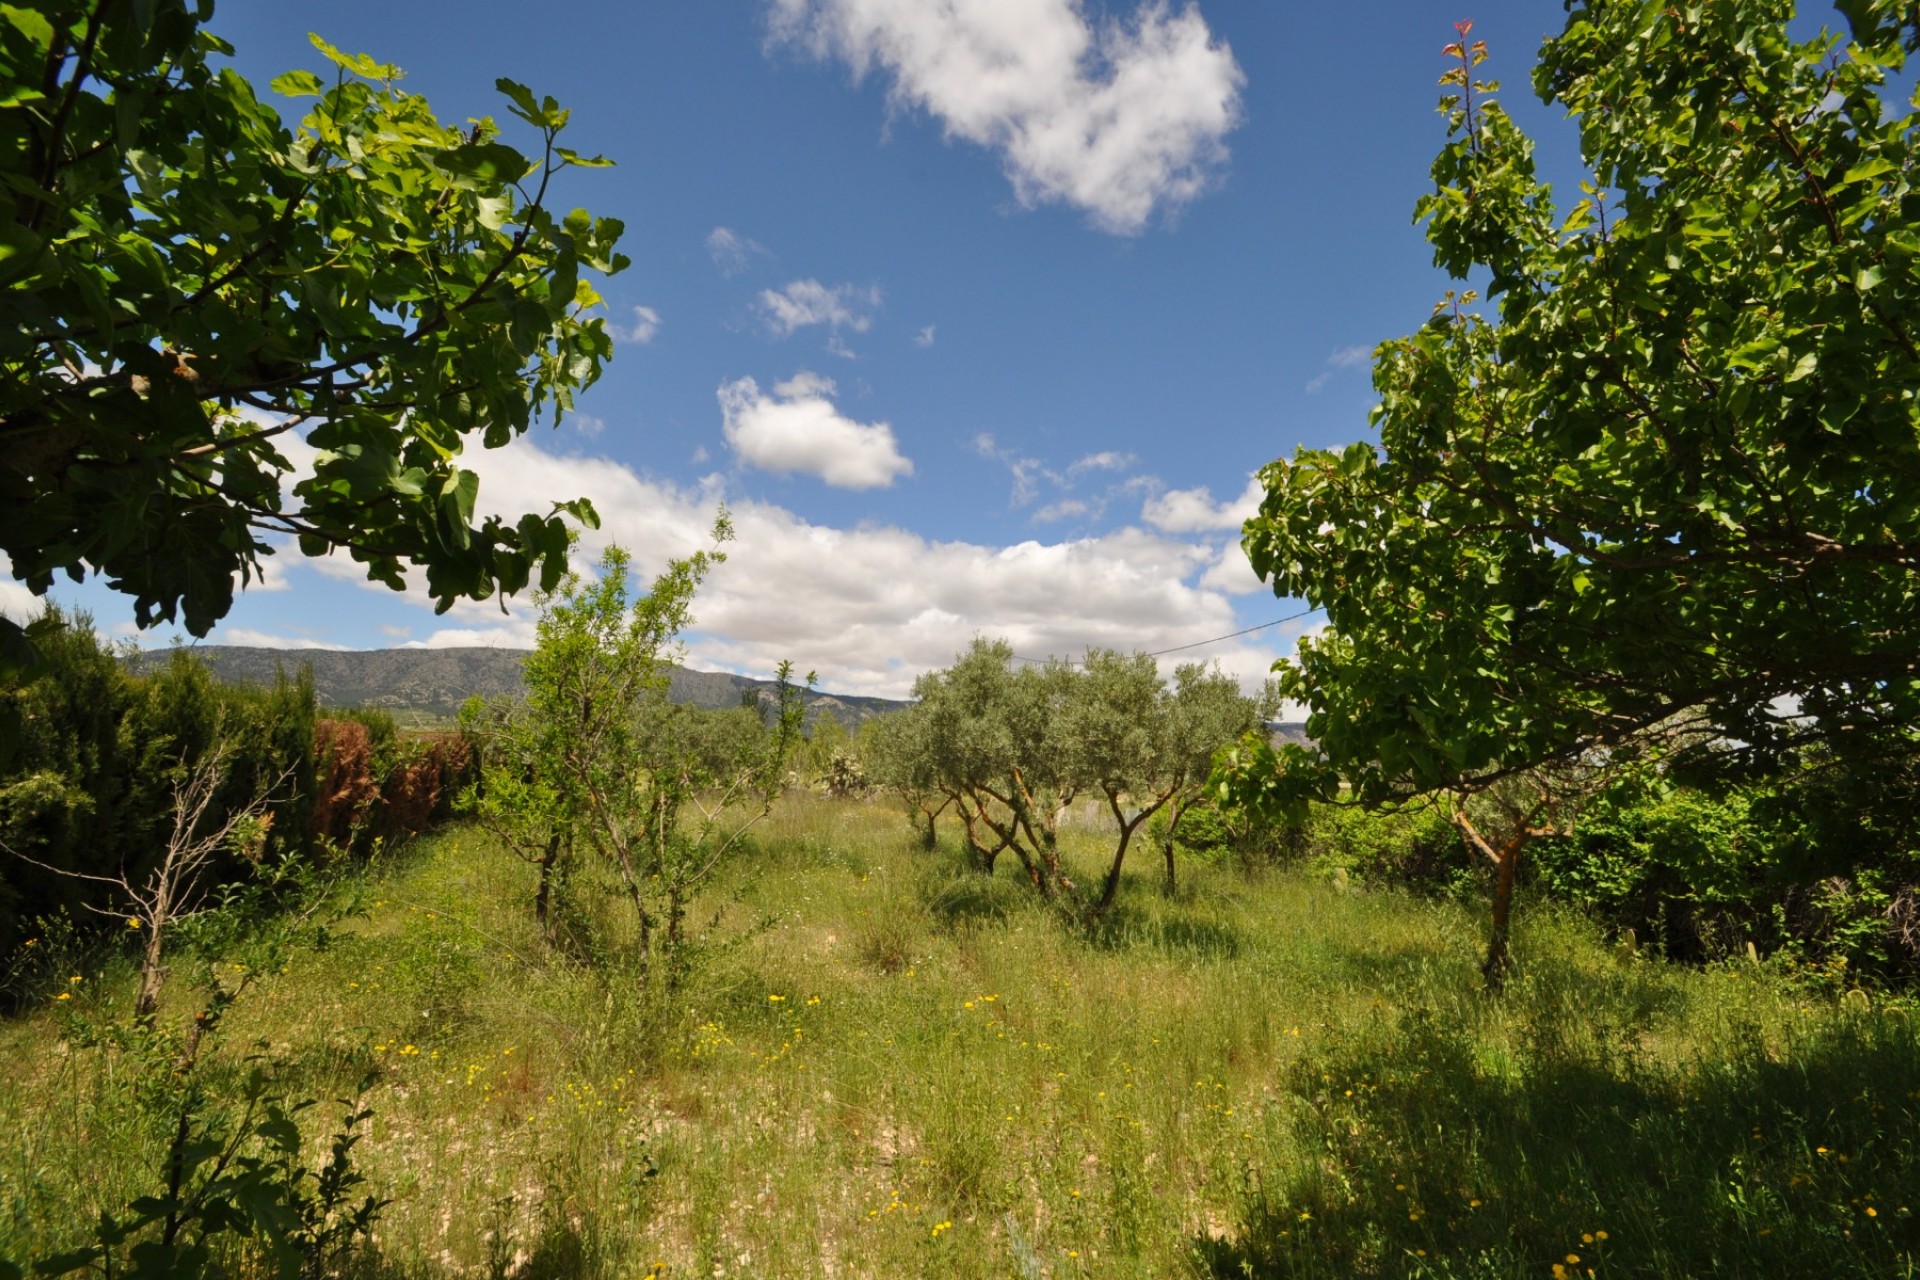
column 888, row 1066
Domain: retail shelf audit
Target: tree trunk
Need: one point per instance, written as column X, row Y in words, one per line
column 1174, row 811
column 153, row 975
column 543, row 895
column 1506, row 864
column 1498, row 961
column 1110, row 889
column 929, row 839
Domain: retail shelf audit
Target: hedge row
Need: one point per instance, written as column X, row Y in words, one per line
column 90, row 755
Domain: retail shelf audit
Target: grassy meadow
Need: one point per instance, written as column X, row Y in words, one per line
column 885, row 1065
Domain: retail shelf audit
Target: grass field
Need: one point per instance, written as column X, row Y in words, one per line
column 888, row 1066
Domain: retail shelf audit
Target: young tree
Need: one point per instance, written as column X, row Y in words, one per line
column 661, row 792
column 189, row 284
column 173, row 889
column 1207, row 713
column 1670, row 470
column 519, row 793
column 900, row 755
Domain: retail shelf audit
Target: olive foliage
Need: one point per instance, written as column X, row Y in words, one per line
column 1012, row 748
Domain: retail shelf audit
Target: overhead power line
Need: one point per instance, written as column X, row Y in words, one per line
column 1244, row 631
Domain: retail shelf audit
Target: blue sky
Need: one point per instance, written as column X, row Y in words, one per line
column 978, row 315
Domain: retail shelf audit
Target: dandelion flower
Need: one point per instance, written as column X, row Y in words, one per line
column 1573, row 1257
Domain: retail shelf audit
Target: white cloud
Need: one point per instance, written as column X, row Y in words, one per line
column 924, row 338
column 1031, row 476
column 869, row 607
column 18, row 603
column 1233, row 573
column 808, row 302
column 1105, row 460
column 1195, row 511
column 646, row 323
column 1341, row 358
column 732, row 252
column 1120, row 119
column 268, row 640
column 517, row 633
column 270, row 573
column 1065, row 509
column 797, row 428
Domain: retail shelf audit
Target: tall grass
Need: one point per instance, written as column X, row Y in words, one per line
column 888, row 1065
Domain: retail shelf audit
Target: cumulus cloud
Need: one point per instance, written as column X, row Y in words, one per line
column 1118, row 118
column 17, row 602
column 924, row 338
column 732, row 252
column 873, row 606
column 797, row 428
column 1233, row 573
column 808, row 302
column 1195, row 511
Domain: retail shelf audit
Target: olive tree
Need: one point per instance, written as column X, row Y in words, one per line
column 899, row 754
column 1014, row 748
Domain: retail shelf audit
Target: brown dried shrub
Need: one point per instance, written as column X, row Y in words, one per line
column 345, row 788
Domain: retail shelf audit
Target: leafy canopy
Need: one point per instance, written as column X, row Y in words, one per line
column 1670, row 467
column 197, row 296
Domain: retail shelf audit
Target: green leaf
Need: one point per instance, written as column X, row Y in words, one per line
column 358, row 63
column 489, row 162
column 20, row 253
column 298, row 84
column 524, row 105
column 33, row 26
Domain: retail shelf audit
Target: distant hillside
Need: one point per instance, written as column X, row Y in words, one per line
column 428, row 685
column 1285, row 731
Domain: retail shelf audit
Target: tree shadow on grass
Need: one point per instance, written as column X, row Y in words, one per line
column 1128, row 928
column 1440, row 1158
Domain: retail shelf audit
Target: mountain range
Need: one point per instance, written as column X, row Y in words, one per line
column 427, row 686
